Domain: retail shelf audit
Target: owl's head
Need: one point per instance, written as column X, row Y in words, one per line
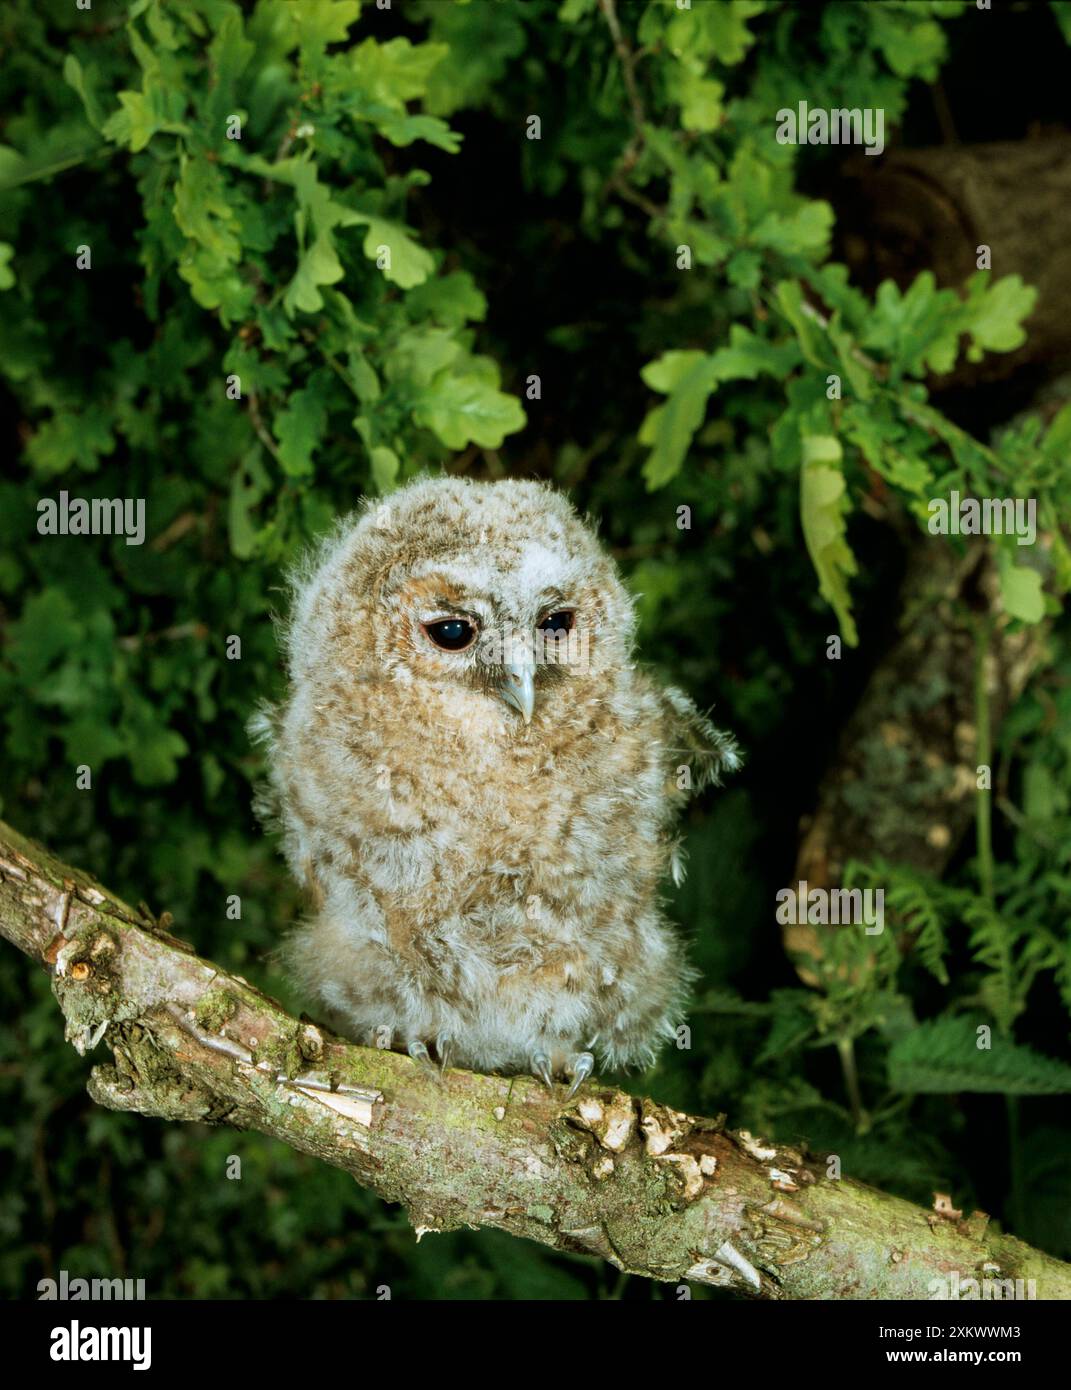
column 499, row 588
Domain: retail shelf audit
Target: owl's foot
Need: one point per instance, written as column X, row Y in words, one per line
column 583, row 1066
column 422, row 1057
column 444, row 1047
column 539, row 1065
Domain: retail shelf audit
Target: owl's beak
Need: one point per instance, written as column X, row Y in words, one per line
column 518, row 689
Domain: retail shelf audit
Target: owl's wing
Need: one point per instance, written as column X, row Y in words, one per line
column 269, row 801
column 262, row 732
column 691, row 738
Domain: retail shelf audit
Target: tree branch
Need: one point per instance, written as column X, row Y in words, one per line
column 618, row 179
column 627, row 59
column 670, row 1196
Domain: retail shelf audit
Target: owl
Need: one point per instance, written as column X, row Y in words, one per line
column 477, row 786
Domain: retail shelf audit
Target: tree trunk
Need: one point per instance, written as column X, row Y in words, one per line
column 931, row 209
column 903, row 783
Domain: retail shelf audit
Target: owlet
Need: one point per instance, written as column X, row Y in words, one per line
column 477, row 786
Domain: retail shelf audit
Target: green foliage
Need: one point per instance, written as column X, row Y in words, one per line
column 947, row 1055
column 356, row 291
column 733, row 209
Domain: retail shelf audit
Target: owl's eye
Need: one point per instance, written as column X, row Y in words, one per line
column 562, row 621
column 452, row 634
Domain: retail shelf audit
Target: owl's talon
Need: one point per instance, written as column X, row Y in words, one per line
column 420, row 1054
column 583, row 1066
column 444, row 1047
column 540, row 1065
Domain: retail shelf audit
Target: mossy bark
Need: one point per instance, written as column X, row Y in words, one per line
column 655, row 1192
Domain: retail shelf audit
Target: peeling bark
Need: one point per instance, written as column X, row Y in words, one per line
column 653, row 1191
